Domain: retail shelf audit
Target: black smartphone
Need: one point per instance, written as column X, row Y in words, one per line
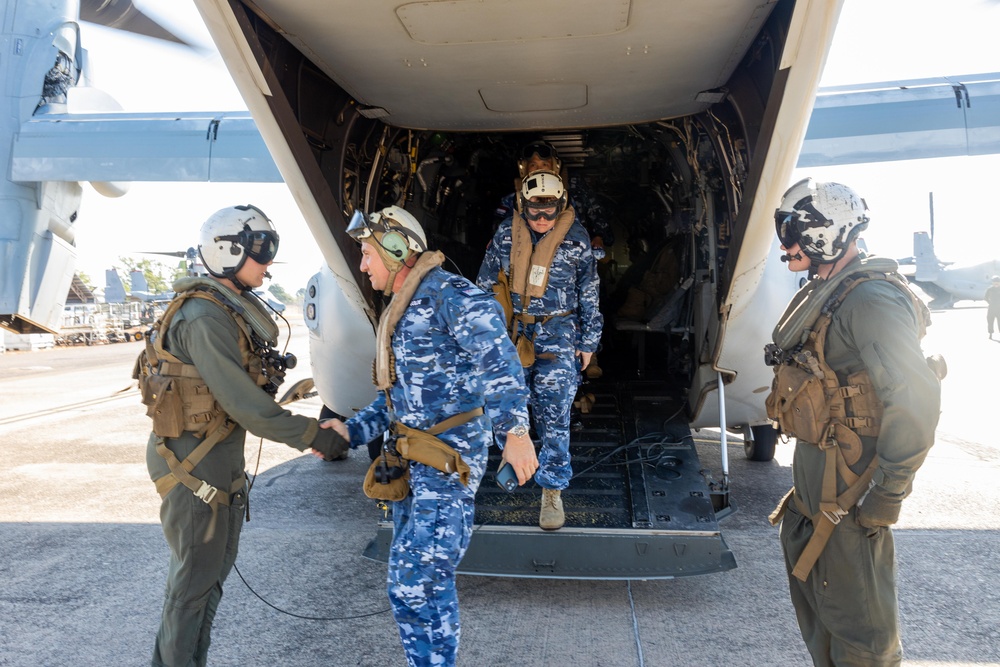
column 507, row 478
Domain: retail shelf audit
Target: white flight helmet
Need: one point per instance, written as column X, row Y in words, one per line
column 397, row 234
column 232, row 234
column 547, row 187
column 394, row 233
column 823, row 218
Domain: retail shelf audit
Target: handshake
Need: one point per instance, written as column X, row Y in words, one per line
column 332, row 441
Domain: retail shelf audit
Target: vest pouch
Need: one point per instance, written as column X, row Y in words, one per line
column 396, row 489
column 865, row 404
column 199, row 405
column 525, row 350
column 163, row 404
column 849, row 443
column 798, row 403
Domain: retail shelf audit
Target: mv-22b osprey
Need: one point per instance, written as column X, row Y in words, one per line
column 684, row 118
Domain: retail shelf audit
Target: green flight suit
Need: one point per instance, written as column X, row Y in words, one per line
column 206, row 335
column 847, row 608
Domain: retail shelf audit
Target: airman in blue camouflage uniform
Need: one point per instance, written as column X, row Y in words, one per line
column 539, row 156
column 450, row 354
column 546, row 258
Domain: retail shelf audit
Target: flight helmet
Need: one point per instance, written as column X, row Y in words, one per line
column 543, row 150
column 394, row 233
column 548, row 188
column 823, row 218
column 232, row 234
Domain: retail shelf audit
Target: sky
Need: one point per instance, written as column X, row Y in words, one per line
column 876, row 40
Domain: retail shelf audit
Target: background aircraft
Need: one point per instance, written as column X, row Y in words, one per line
column 114, row 289
column 689, row 140
column 947, row 282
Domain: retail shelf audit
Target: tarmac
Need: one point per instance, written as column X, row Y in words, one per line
column 83, row 560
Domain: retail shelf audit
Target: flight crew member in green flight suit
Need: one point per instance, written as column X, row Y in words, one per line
column 207, row 380
column 854, row 388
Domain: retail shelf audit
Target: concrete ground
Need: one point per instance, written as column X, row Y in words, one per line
column 83, row 559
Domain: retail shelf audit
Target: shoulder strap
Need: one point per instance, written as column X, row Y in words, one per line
column 530, row 264
column 154, row 344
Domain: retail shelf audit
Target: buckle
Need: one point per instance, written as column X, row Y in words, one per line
column 206, row 492
column 835, row 516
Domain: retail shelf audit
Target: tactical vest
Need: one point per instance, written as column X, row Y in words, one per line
column 178, row 400
column 808, row 402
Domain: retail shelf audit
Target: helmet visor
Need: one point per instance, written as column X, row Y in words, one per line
column 259, row 245
column 538, row 148
column 788, row 232
column 358, row 228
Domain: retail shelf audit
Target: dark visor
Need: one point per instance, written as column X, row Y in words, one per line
column 543, row 151
column 260, row 246
column 787, row 230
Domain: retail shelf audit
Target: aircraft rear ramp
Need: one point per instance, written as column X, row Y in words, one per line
column 640, row 505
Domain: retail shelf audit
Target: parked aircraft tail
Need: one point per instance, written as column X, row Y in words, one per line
column 927, row 262
column 114, row 289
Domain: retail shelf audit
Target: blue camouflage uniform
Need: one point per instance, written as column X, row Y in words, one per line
column 452, row 354
column 589, row 211
column 553, row 378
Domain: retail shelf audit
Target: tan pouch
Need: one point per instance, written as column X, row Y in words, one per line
column 199, row 404
column 163, row 405
column 429, row 450
column 848, row 442
column 797, row 402
column 396, row 489
column 501, row 291
column 866, row 403
column 525, row 350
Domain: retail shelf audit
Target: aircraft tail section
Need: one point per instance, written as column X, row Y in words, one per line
column 114, row 289
column 138, row 280
column 927, row 262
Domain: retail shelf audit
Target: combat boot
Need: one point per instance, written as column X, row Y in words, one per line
column 552, row 516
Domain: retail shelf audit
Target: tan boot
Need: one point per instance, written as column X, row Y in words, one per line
column 552, row 516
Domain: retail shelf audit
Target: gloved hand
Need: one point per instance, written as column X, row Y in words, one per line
column 330, row 444
column 878, row 508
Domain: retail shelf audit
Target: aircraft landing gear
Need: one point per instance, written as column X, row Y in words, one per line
column 759, row 442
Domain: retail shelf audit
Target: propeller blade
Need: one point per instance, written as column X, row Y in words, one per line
column 174, row 253
column 124, row 15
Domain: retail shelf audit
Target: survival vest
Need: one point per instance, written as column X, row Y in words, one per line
column 808, row 402
column 178, row 400
column 388, row 475
column 530, row 266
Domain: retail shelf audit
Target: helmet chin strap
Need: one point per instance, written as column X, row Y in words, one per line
column 392, row 281
column 231, row 275
column 393, row 265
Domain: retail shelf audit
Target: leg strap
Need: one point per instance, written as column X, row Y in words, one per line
column 180, row 473
column 825, row 521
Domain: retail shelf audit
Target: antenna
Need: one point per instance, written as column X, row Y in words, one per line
column 931, row 203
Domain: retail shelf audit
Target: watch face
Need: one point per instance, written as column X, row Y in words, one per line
column 520, row 430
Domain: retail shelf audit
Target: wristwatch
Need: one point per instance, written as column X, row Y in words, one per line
column 519, row 431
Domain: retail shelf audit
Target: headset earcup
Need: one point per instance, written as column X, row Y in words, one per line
column 396, row 245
